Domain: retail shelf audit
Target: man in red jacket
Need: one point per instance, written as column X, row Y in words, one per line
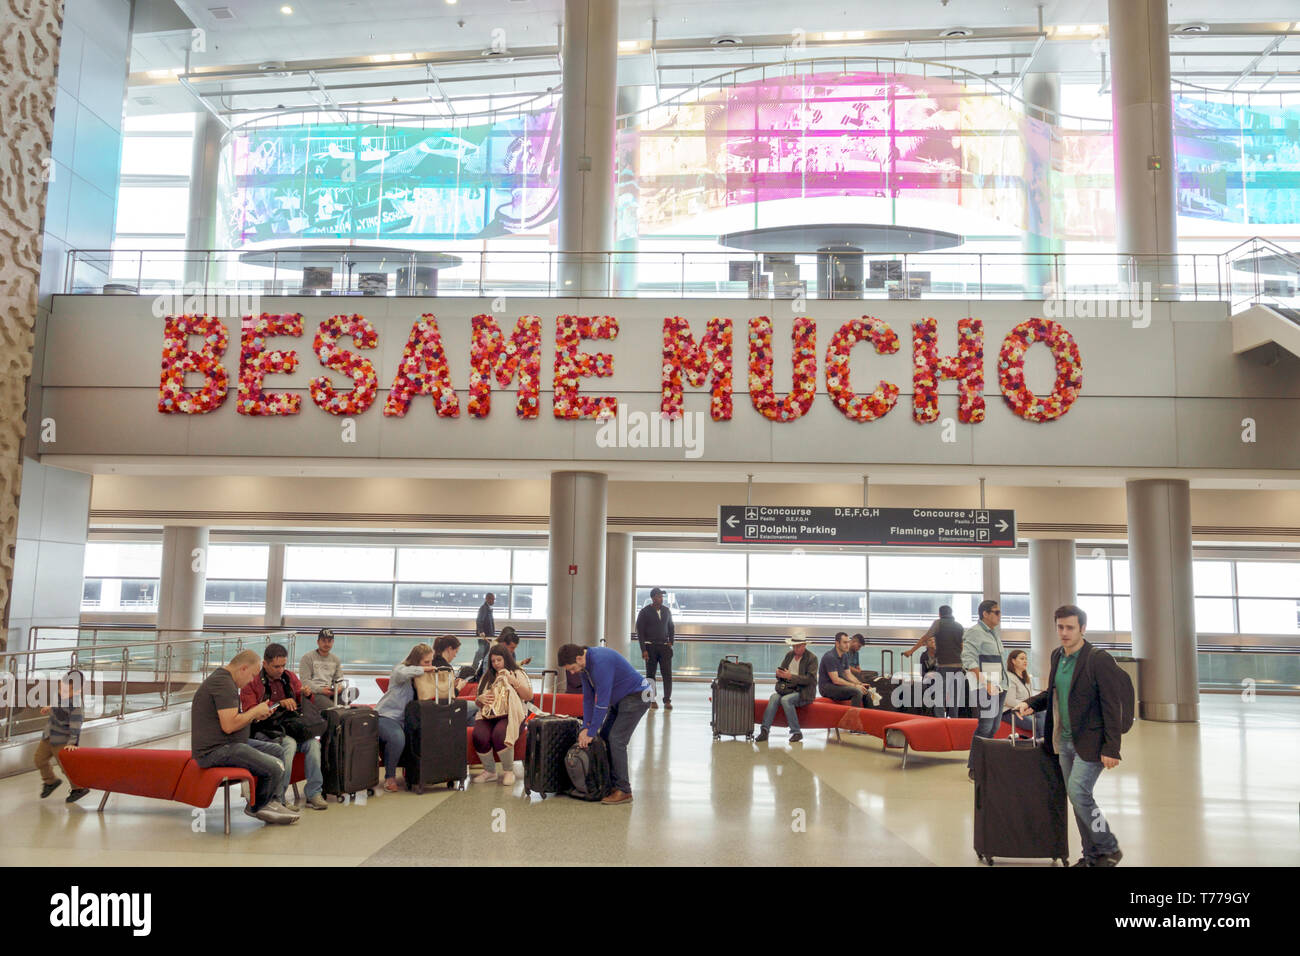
column 275, row 684
column 1084, row 701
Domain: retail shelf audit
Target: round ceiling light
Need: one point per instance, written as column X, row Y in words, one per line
column 726, row 41
column 956, row 33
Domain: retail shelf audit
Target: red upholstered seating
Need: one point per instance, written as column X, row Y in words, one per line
column 144, row 773
column 869, row 720
column 821, row 714
column 199, row 787
column 160, row 774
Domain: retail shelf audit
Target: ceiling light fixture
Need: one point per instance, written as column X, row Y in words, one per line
column 287, row 10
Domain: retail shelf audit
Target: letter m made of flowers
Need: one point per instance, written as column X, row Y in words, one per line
column 711, row 358
column 492, row 355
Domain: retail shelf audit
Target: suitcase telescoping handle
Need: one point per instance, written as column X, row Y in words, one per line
column 731, row 657
column 345, row 692
column 451, row 684
column 555, row 690
column 887, row 672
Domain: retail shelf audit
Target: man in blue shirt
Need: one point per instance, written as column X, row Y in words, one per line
column 834, row 679
column 614, row 699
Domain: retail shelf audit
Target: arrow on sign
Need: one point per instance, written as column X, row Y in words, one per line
column 1002, row 526
column 732, row 521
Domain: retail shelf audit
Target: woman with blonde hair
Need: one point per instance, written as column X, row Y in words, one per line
column 504, row 690
column 392, row 708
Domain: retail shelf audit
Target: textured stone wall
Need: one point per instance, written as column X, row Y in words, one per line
column 29, row 53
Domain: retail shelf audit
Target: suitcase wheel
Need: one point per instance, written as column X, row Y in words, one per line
column 717, row 736
column 749, row 738
column 370, row 791
column 988, row 861
column 453, row 784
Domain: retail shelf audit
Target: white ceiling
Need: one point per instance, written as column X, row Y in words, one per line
column 351, row 31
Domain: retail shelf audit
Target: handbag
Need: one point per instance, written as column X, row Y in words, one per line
column 500, row 706
column 306, row 722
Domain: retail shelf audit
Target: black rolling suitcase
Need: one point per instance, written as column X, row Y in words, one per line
column 886, row 684
column 349, row 749
column 549, row 738
column 733, row 699
column 435, row 741
column 1020, row 802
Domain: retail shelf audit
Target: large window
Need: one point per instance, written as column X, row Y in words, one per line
column 153, row 198
column 829, row 589
column 236, row 579
column 1231, row 596
column 121, row 578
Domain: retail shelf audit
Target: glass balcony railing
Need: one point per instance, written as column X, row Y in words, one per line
column 186, row 280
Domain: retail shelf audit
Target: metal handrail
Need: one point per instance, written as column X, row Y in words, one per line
column 162, row 650
column 1205, row 273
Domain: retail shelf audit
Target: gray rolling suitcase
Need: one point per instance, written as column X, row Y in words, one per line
column 733, row 699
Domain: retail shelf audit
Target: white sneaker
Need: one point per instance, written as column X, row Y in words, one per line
column 281, row 807
column 269, row 814
column 485, row 777
column 508, row 778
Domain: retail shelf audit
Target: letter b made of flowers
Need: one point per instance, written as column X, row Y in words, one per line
column 178, row 359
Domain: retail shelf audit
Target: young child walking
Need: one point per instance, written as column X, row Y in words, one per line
column 63, row 732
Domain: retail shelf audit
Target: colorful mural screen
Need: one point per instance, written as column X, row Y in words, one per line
column 904, row 139
column 372, row 182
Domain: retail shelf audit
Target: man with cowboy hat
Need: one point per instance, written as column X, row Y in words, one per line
column 796, row 685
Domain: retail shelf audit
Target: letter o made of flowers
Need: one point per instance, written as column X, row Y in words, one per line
column 1011, row 370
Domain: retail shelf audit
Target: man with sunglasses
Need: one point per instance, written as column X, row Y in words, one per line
column 982, row 655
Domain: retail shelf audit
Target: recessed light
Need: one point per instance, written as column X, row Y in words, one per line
column 451, row 3
column 286, row 10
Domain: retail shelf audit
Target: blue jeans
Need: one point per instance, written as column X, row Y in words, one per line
column 310, row 764
column 617, row 732
column 788, row 703
column 990, row 716
column 392, row 737
column 950, row 681
column 259, row 757
column 1034, row 723
column 1080, row 777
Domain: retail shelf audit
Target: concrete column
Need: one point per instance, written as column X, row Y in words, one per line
column 1042, row 104
column 200, row 228
column 275, row 587
column 626, row 194
column 1051, row 584
column 619, row 598
column 992, row 574
column 587, row 112
column 1164, row 611
column 1141, row 104
column 575, row 607
column 180, row 595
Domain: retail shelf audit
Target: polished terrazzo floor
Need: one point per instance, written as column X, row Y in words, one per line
column 1221, row 792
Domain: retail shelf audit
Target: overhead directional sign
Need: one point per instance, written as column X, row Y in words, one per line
column 901, row 527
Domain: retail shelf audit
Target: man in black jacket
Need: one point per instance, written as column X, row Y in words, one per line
column 654, row 632
column 796, row 686
column 1085, row 701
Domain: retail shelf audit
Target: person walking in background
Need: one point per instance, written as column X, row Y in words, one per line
column 1084, row 705
column 944, row 641
column 62, row 732
column 1019, row 690
column 485, row 629
column 485, row 626
column 982, row 655
column 654, row 632
column 796, row 686
column 614, row 699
